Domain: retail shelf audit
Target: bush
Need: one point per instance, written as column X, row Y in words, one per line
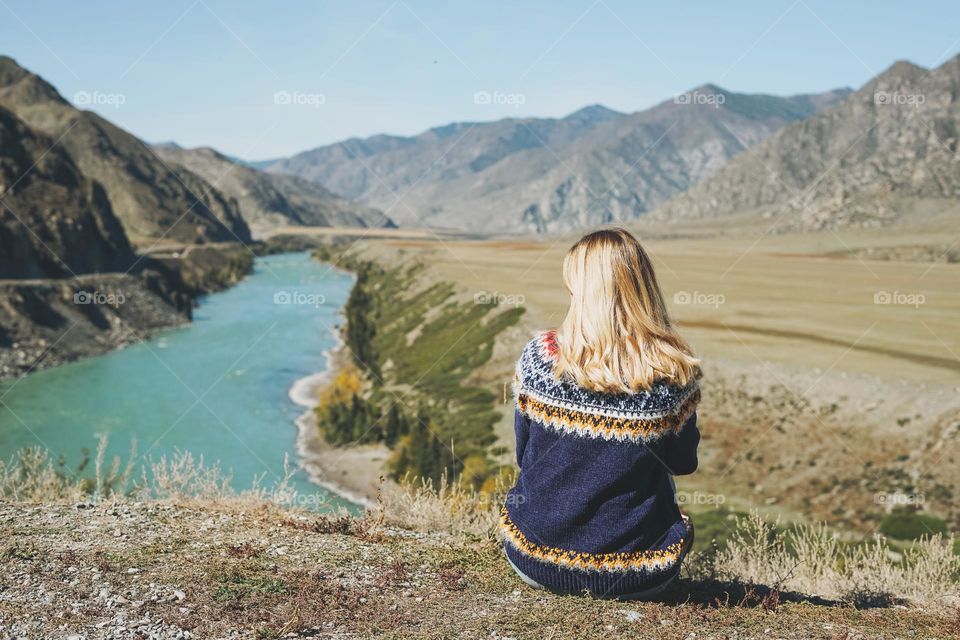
column 911, row 525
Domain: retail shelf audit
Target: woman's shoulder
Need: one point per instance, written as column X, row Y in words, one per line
column 541, row 346
column 535, row 376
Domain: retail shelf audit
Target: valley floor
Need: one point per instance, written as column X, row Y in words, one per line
column 244, row 570
column 831, row 379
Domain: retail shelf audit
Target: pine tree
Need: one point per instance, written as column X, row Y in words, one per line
column 395, row 428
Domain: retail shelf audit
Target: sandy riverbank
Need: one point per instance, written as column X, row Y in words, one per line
column 353, row 472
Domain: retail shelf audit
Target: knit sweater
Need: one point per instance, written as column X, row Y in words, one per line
column 594, row 508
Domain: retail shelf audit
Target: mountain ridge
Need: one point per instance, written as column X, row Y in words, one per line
column 151, row 199
column 54, row 221
column 862, row 162
column 269, row 200
column 550, row 174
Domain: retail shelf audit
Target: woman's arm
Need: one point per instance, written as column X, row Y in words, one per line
column 521, row 427
column 679, row 452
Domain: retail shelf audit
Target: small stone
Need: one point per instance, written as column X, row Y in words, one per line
column 632, row 616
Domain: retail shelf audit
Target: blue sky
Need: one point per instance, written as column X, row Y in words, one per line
column 208, row 72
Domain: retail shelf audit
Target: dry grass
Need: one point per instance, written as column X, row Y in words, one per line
column 32, row 475
column 811, row 559
column 779, row 299
column 804, row 560
column 423, row 563
column 450, row 508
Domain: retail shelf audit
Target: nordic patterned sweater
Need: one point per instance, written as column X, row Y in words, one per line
column 594, row 508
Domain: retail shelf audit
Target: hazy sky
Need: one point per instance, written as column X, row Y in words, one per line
column 207, row 72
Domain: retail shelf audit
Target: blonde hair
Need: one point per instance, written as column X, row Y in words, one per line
column 617, row 336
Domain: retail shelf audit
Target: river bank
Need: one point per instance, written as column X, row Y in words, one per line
column 46, row 323
column 354, row 472
column 412, row 399
column 217, row 388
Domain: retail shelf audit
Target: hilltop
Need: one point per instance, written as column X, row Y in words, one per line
column 247, row 568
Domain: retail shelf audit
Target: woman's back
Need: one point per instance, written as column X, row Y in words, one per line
column 593, row 507
column 605, row 417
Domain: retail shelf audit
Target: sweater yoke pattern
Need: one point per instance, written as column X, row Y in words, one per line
column 641, row 417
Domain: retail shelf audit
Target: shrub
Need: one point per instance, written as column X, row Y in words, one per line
column 903, row 524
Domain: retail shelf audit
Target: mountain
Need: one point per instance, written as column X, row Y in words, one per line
column 861, row 162
column 54, row 221
column 590, row 167
column 151, row 199
column 269, row 200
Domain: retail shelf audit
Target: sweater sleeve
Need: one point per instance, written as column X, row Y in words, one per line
column 679, row 451
column 521, row 427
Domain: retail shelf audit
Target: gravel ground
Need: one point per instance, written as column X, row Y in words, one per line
column 246, row 570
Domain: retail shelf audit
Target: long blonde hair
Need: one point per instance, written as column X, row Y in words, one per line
column 617, row 336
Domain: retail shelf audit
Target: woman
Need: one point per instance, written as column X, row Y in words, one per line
column 605, row 417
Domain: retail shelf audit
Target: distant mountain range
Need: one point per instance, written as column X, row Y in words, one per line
column 828, row 160
column 862, row 162
column 269, row 200
column 541, row 174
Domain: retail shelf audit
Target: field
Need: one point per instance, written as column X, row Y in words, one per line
column 831, row 380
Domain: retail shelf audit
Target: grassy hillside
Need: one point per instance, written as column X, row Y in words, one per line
column 414, row 345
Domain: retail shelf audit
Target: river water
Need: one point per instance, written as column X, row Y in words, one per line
column 218, row 388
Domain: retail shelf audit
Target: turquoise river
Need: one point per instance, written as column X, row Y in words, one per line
column 219, row 387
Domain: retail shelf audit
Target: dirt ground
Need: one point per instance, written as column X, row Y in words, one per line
column 158, row 570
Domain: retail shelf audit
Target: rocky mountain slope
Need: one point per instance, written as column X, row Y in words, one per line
column 863, row 162
column 593, row 166
column 151, row 199
column 270, row 200
column 54, row 221
column 74, row 190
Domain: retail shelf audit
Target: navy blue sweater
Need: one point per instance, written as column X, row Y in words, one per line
column 594, row 506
